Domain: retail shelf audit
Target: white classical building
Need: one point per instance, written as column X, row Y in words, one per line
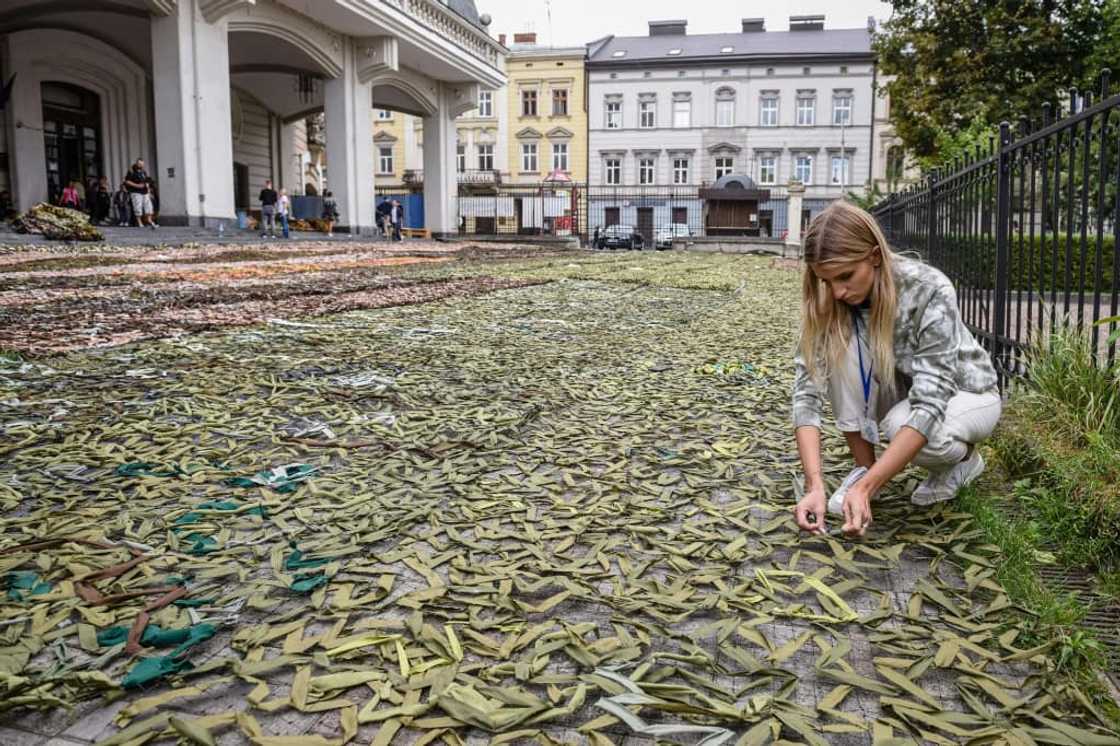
column 213, row 95
column 683, row 110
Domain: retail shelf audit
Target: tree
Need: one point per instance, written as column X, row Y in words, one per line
column 956, row 61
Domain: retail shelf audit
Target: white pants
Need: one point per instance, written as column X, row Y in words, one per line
column 969, row 418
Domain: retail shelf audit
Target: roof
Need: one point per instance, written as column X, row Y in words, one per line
column 760, row 44
column 517, row 51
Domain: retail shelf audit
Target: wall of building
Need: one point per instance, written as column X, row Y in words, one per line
column 744, row 139
column 253, row 143
column 543, row 72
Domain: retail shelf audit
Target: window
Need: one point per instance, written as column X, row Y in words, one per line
column 767, row 169
column 559, row 156
column 806, row 111
column 647, row 117
column 560, row 102
column 724, row 166
column 726, row 50
column 618, row 53
column 528, row 103
column 613, row 169
column 385, row 160
column 614, row 115
column 803, row 169
column 842, row 109
column 840, row 170
column 843, row 69
column 384, row 114
column 529, row 157
column 682, row 113
column 486, row 103
column 725, row 113
column 674, row 52
column 645, row 171
column 680, row 170
column 806, row 71
column 485, row 157
column 460, row 158
column 768, row 111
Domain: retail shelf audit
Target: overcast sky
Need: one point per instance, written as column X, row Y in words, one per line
column 576, row 22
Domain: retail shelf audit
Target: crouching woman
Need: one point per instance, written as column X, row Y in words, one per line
column 882, row 338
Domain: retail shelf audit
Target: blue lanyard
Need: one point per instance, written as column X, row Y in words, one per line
column 865, row 380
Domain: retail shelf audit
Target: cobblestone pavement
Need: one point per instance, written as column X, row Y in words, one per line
column 550, row 513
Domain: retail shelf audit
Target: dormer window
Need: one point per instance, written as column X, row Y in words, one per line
column 619, row 53
column 726, row 50
column 674, row 52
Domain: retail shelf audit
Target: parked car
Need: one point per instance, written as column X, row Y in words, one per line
column 621, row 237
column 668, row 232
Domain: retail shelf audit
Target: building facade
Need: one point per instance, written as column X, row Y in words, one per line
column 215, row 96
column 547, row 99
column 679, row 110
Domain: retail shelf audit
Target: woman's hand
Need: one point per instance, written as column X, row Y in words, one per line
column 814, row 504
column 857, row 509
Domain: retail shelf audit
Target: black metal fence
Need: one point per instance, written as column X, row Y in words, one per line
column 1027, row 228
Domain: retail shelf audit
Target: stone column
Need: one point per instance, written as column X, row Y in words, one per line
column 441, row 186
column 441, row 182
column 190, row 67
column 349, row 115
column 293, row 144
column 793, row 211
column 23, row 118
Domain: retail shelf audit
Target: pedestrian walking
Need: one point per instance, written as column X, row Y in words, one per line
column 330, row 212
column 138, row 185
column 268, row 199
column 283, row 210
column 883, row 339
column 382, row 213
column 396, row 217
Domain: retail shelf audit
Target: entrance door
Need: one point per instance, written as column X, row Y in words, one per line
column 241, row 195
column 71, row 136
column 680, row 215
column 645, row 225
column 611, row 216
column 766, row 222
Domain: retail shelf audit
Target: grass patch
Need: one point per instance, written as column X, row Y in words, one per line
column 1054, row 617
column 1054, row 500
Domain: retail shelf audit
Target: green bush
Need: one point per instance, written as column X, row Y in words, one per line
column 1038, row 264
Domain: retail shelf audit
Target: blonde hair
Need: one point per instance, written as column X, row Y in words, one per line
column 844, row 234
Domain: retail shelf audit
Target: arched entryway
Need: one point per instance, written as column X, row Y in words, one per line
column 71, row 135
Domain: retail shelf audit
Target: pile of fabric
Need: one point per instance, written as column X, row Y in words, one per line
column 59, row 223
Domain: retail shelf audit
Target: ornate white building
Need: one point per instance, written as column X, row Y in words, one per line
column 213, row 95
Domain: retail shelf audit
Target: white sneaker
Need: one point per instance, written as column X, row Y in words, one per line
column 836, row 502
column 946, row 484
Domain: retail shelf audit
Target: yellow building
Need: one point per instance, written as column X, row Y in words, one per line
column 547, row 99
column 395, row 137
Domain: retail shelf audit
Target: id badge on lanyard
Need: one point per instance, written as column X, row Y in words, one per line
column 868, row 427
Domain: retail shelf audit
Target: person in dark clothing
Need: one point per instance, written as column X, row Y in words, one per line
column 396, row 217
column 268, row 199
column 122, row 204
column 139, row 189
column 100, row 201
column 383, row 221
column 330, row 212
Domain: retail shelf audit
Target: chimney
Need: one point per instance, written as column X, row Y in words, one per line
column 806, row 23
column 502, row 39
column 751, row 25
column 668, row 28
column 528, row 37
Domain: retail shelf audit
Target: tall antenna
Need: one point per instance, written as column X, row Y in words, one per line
column 548, row 10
